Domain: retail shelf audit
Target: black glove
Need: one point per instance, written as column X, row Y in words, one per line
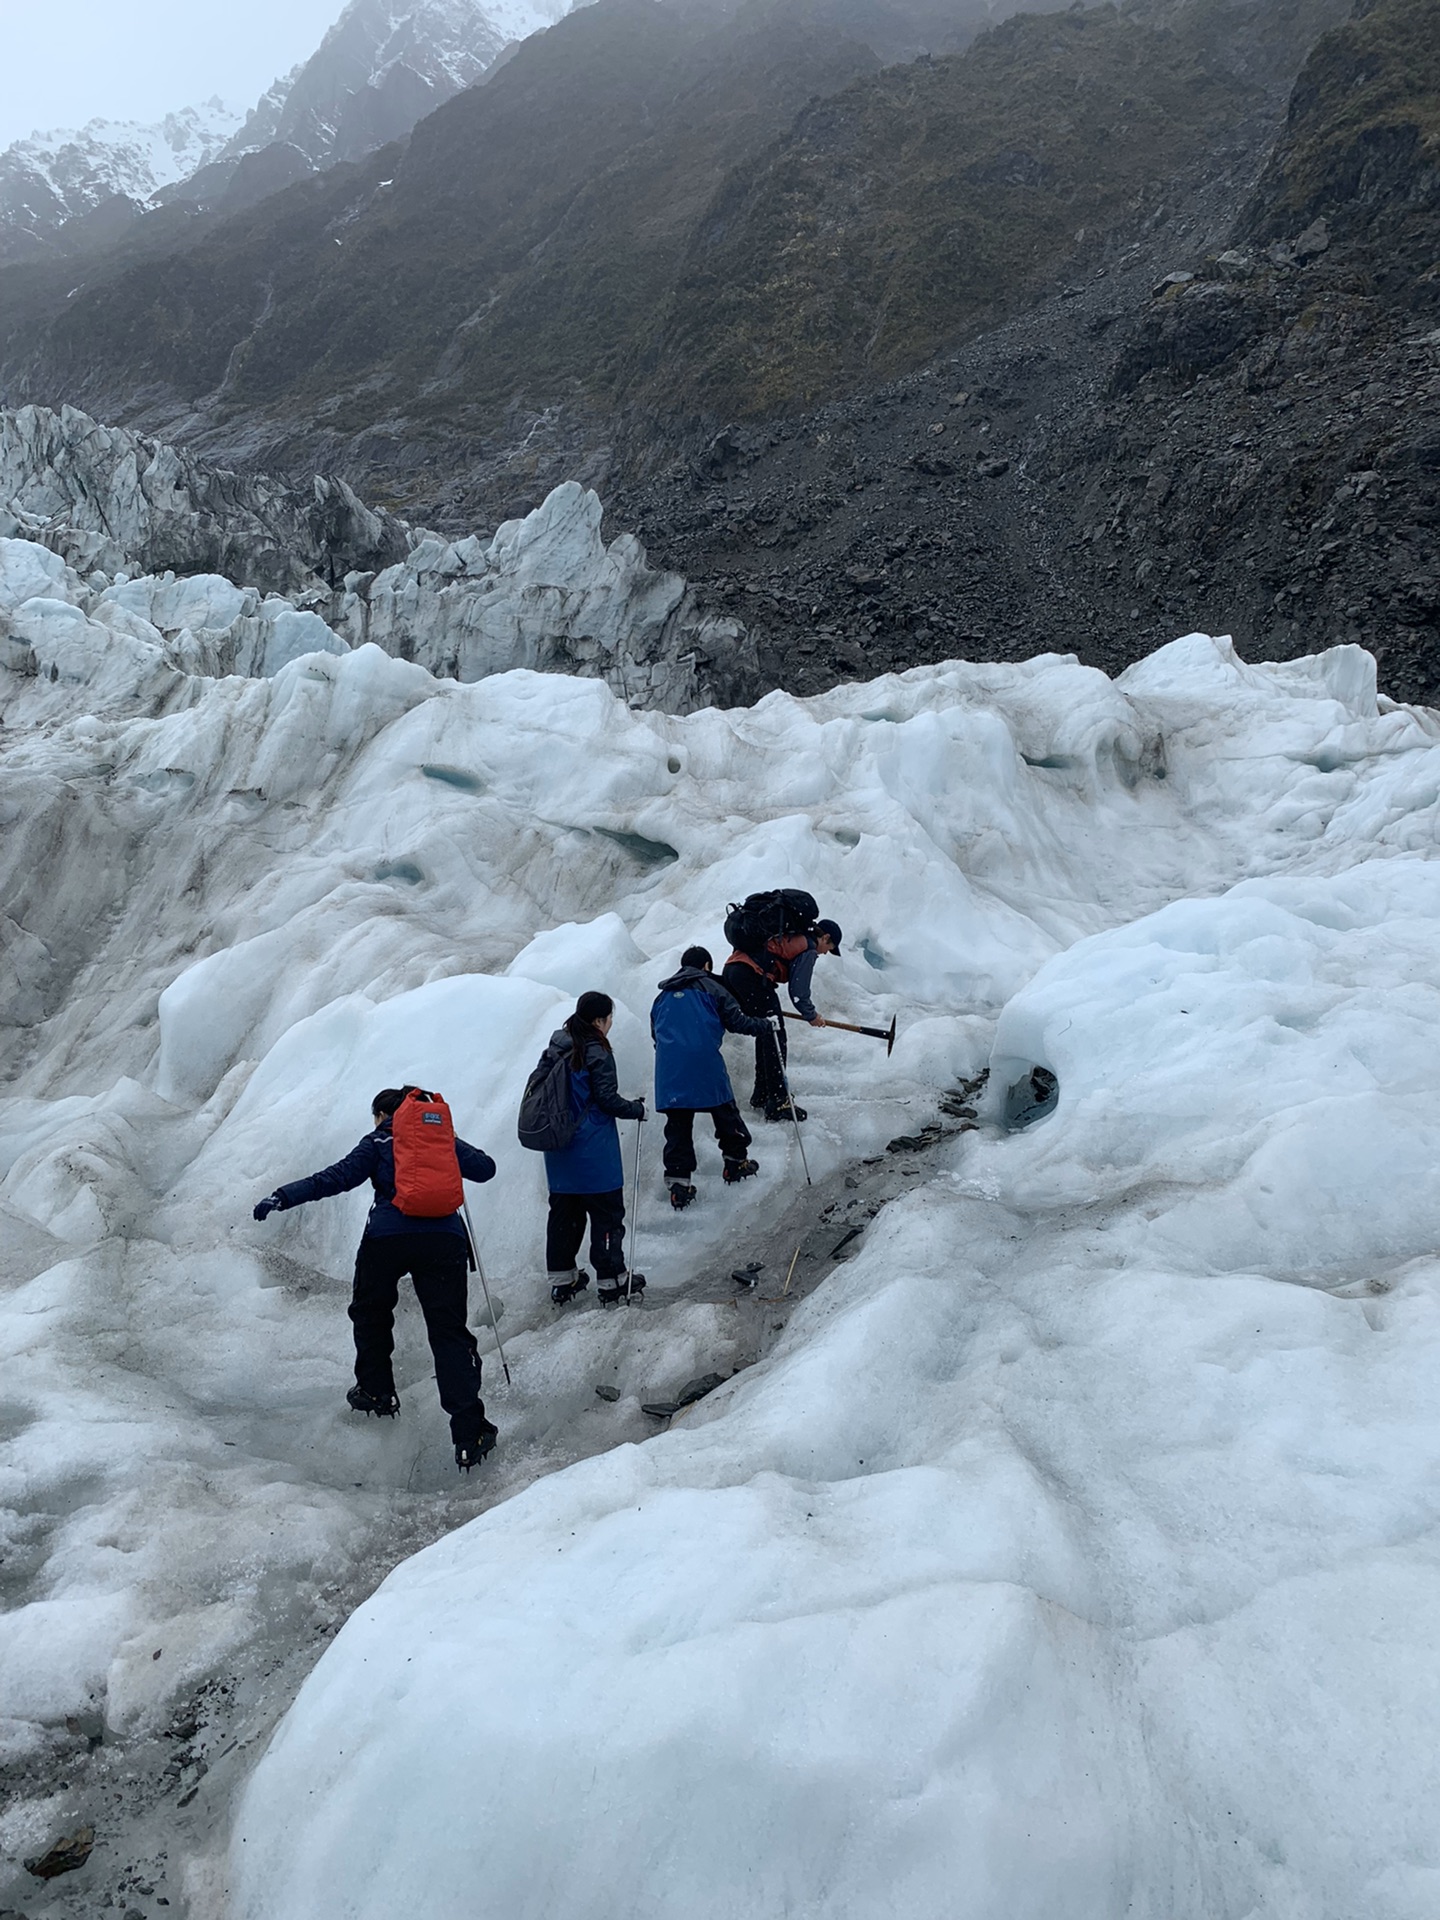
column 272, row 1203
column 642, row 1115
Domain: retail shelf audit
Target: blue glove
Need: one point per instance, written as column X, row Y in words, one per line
column 272, row 1203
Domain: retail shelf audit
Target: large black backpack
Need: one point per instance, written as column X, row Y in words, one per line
column 769, row 916
column 547, row 1114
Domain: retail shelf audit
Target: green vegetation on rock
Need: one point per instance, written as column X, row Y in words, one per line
column 1361, row 148
column 665, row 210
column 934, row 200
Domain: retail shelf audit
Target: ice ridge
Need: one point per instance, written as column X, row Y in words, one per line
column 280, row 562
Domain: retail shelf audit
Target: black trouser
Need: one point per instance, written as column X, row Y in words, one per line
column 565, row 1229
column 756, row 994
column 439, row 1265
column 731, row 1134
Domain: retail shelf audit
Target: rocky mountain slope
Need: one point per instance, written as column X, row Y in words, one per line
column 1117, row 324
column 73, row 179
column 938, row 198
column 1232, row 423
column 516, row 250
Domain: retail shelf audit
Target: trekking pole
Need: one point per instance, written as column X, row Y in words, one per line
column 790, row 1101
column 887, row 1034
column 484, row 1288
column 634, row 1208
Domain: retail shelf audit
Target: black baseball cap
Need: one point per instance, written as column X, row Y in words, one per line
column 830, row 927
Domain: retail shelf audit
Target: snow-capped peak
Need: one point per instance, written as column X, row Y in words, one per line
column 126, row 156
column 56, row 175
column 381, row 66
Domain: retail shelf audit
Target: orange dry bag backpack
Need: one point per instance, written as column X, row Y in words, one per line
column 427, row 1173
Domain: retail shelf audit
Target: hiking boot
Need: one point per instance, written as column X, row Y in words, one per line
column 787, row 1110
column 611, row 1292
column 469, row 1453
column 740, row 1170
column 564, row 1291
column 681, row 1194
column 387, row 1405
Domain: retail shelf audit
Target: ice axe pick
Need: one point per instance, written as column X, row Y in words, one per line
column 887, row 1034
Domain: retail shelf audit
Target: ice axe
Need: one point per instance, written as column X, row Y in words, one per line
column 887, row 1034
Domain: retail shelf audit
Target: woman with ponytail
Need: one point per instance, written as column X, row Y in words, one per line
column 585, row 1177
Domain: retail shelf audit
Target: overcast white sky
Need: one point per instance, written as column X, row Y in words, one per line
column 63, row 62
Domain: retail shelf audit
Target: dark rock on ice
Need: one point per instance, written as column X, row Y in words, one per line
column 66, row 1856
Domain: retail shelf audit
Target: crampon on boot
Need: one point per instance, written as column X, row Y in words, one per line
column 564, row 1291
column 387, row 1405
column 787, row 1110
column 740, row 1170
column 610, row 1293
column 681, row 1194
column 469, row 1453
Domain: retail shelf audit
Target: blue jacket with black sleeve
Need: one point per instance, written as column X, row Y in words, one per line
column 374, row 1160
column 691, row 1016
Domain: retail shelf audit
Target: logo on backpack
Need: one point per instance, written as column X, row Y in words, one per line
column 547, row 1114
column 427, row 1173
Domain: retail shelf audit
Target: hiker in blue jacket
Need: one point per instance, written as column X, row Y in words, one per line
column 585, row 1178
column 690, row 1018
column 436, row 1255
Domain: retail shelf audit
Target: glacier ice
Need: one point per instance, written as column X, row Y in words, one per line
column 544, row 591
column 1070, row 1554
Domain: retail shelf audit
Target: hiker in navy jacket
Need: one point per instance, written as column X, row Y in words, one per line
column 690, row 1018
column 585, row 1178
column 825, row 939
column 436, row 1255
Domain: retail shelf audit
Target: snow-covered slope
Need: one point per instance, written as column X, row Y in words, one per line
column 1071, row 1552
column 381, row 67
column 53, row 177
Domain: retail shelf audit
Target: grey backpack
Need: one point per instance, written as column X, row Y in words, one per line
column 547, row 1113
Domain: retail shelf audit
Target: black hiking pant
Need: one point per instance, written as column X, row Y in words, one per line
column 756, row 994
column 565, row 1229
column 439, row 1265
column 731, row 1135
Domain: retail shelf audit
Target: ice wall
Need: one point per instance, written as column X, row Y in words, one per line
column 266, row 557
column 103, row 497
